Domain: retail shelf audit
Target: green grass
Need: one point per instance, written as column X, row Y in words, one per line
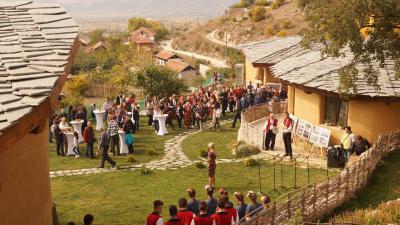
column 384, row 186
column 224, row 140
column 126, row 197
column 146, row 140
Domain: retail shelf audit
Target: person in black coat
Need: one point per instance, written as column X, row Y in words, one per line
column 361, row 145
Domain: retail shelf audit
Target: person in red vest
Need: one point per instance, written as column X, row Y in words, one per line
column 173, row 212
column 155, row 217
column 203, row 218
column 222, row 217
column 230, row 209
column 184, row 214
column 270, row 131
column 287, row 134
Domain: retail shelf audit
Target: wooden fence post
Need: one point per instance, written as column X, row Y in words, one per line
column 338, row 188
column 314, row 201
column 327, row 194
column 303, row 203
column 273, row 213
column 288, row 204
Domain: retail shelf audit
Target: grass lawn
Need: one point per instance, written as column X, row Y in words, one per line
column 224, row 140
column 126, row 197
column 384, row 186
column 146, row 140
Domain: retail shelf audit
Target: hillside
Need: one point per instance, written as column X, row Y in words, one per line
column 242, row 26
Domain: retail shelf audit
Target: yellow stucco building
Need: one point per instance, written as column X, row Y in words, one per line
column 36, row 58
column 313, row 81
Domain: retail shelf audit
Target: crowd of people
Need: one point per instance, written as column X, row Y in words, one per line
column 212, row 211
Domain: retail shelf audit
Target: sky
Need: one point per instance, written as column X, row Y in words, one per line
column 156, row 9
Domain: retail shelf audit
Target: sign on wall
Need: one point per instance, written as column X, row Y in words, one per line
column 274, row 86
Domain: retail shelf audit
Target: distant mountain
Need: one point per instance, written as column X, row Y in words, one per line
column 157, row 9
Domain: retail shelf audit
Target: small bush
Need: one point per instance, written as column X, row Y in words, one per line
column 262, row 2
column 257, row 13
column 250, row 162
column 203, row 153
column 282, row 33
column 277, row 3
column 244, row 150
column 145, row 171
column 151, row 152
column 287, row 24
column 130, row 159
column 199, row 165
column 269, row 30
column 302, row 3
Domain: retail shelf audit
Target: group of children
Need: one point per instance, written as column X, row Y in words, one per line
column 212, row 211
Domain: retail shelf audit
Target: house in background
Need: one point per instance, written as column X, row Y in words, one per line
column 143, row 38
column 313, row 93
column 42, row 47
column 163, row 57
column 101, row 45
column 84, row 43
column 260, row 56
column 184, row 70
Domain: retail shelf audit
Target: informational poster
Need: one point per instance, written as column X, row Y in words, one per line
column 301, row 124
column 295, row 120
column 239, row 72
column 274, row 86
column 320, row 136
column 307, row 130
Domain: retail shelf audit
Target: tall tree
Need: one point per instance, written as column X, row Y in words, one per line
column 158, row 80
column 369, row 28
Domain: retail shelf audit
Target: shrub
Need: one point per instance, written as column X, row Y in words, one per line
column 243, row 150
column 302, row 3
column 251, row 162
column 130, row 159
column 269, row 30
column 151, row 152
column 203, row 153
column 262, row 2
column 257, row 13
column 282, row 33
column 287, row 24
column 276, row 26
column 277, row 3
column 145, row 171
column 199, row 165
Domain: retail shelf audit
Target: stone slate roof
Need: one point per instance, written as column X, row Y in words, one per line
column 309, row 68
column 35, row 43
column 265, row 51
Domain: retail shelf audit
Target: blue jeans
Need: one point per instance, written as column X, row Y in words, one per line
column 346, row 153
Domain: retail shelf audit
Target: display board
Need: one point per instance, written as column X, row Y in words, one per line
column 320, row 136
column 295, row 120
column 274, row 86
column 304, row 129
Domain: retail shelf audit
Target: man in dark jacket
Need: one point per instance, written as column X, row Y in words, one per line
column 104, row 144
column 59, row 136
column 238, row 111
column 88, row 137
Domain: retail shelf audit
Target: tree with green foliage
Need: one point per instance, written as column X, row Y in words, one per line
column 84, row 62
column 370, row 29
column 74, row 90
column 157, row 80
column 159, row 28
column 96, row 36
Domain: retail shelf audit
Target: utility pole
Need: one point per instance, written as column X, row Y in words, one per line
column 226, row 37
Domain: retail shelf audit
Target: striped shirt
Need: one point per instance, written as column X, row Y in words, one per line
column 112, row 128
